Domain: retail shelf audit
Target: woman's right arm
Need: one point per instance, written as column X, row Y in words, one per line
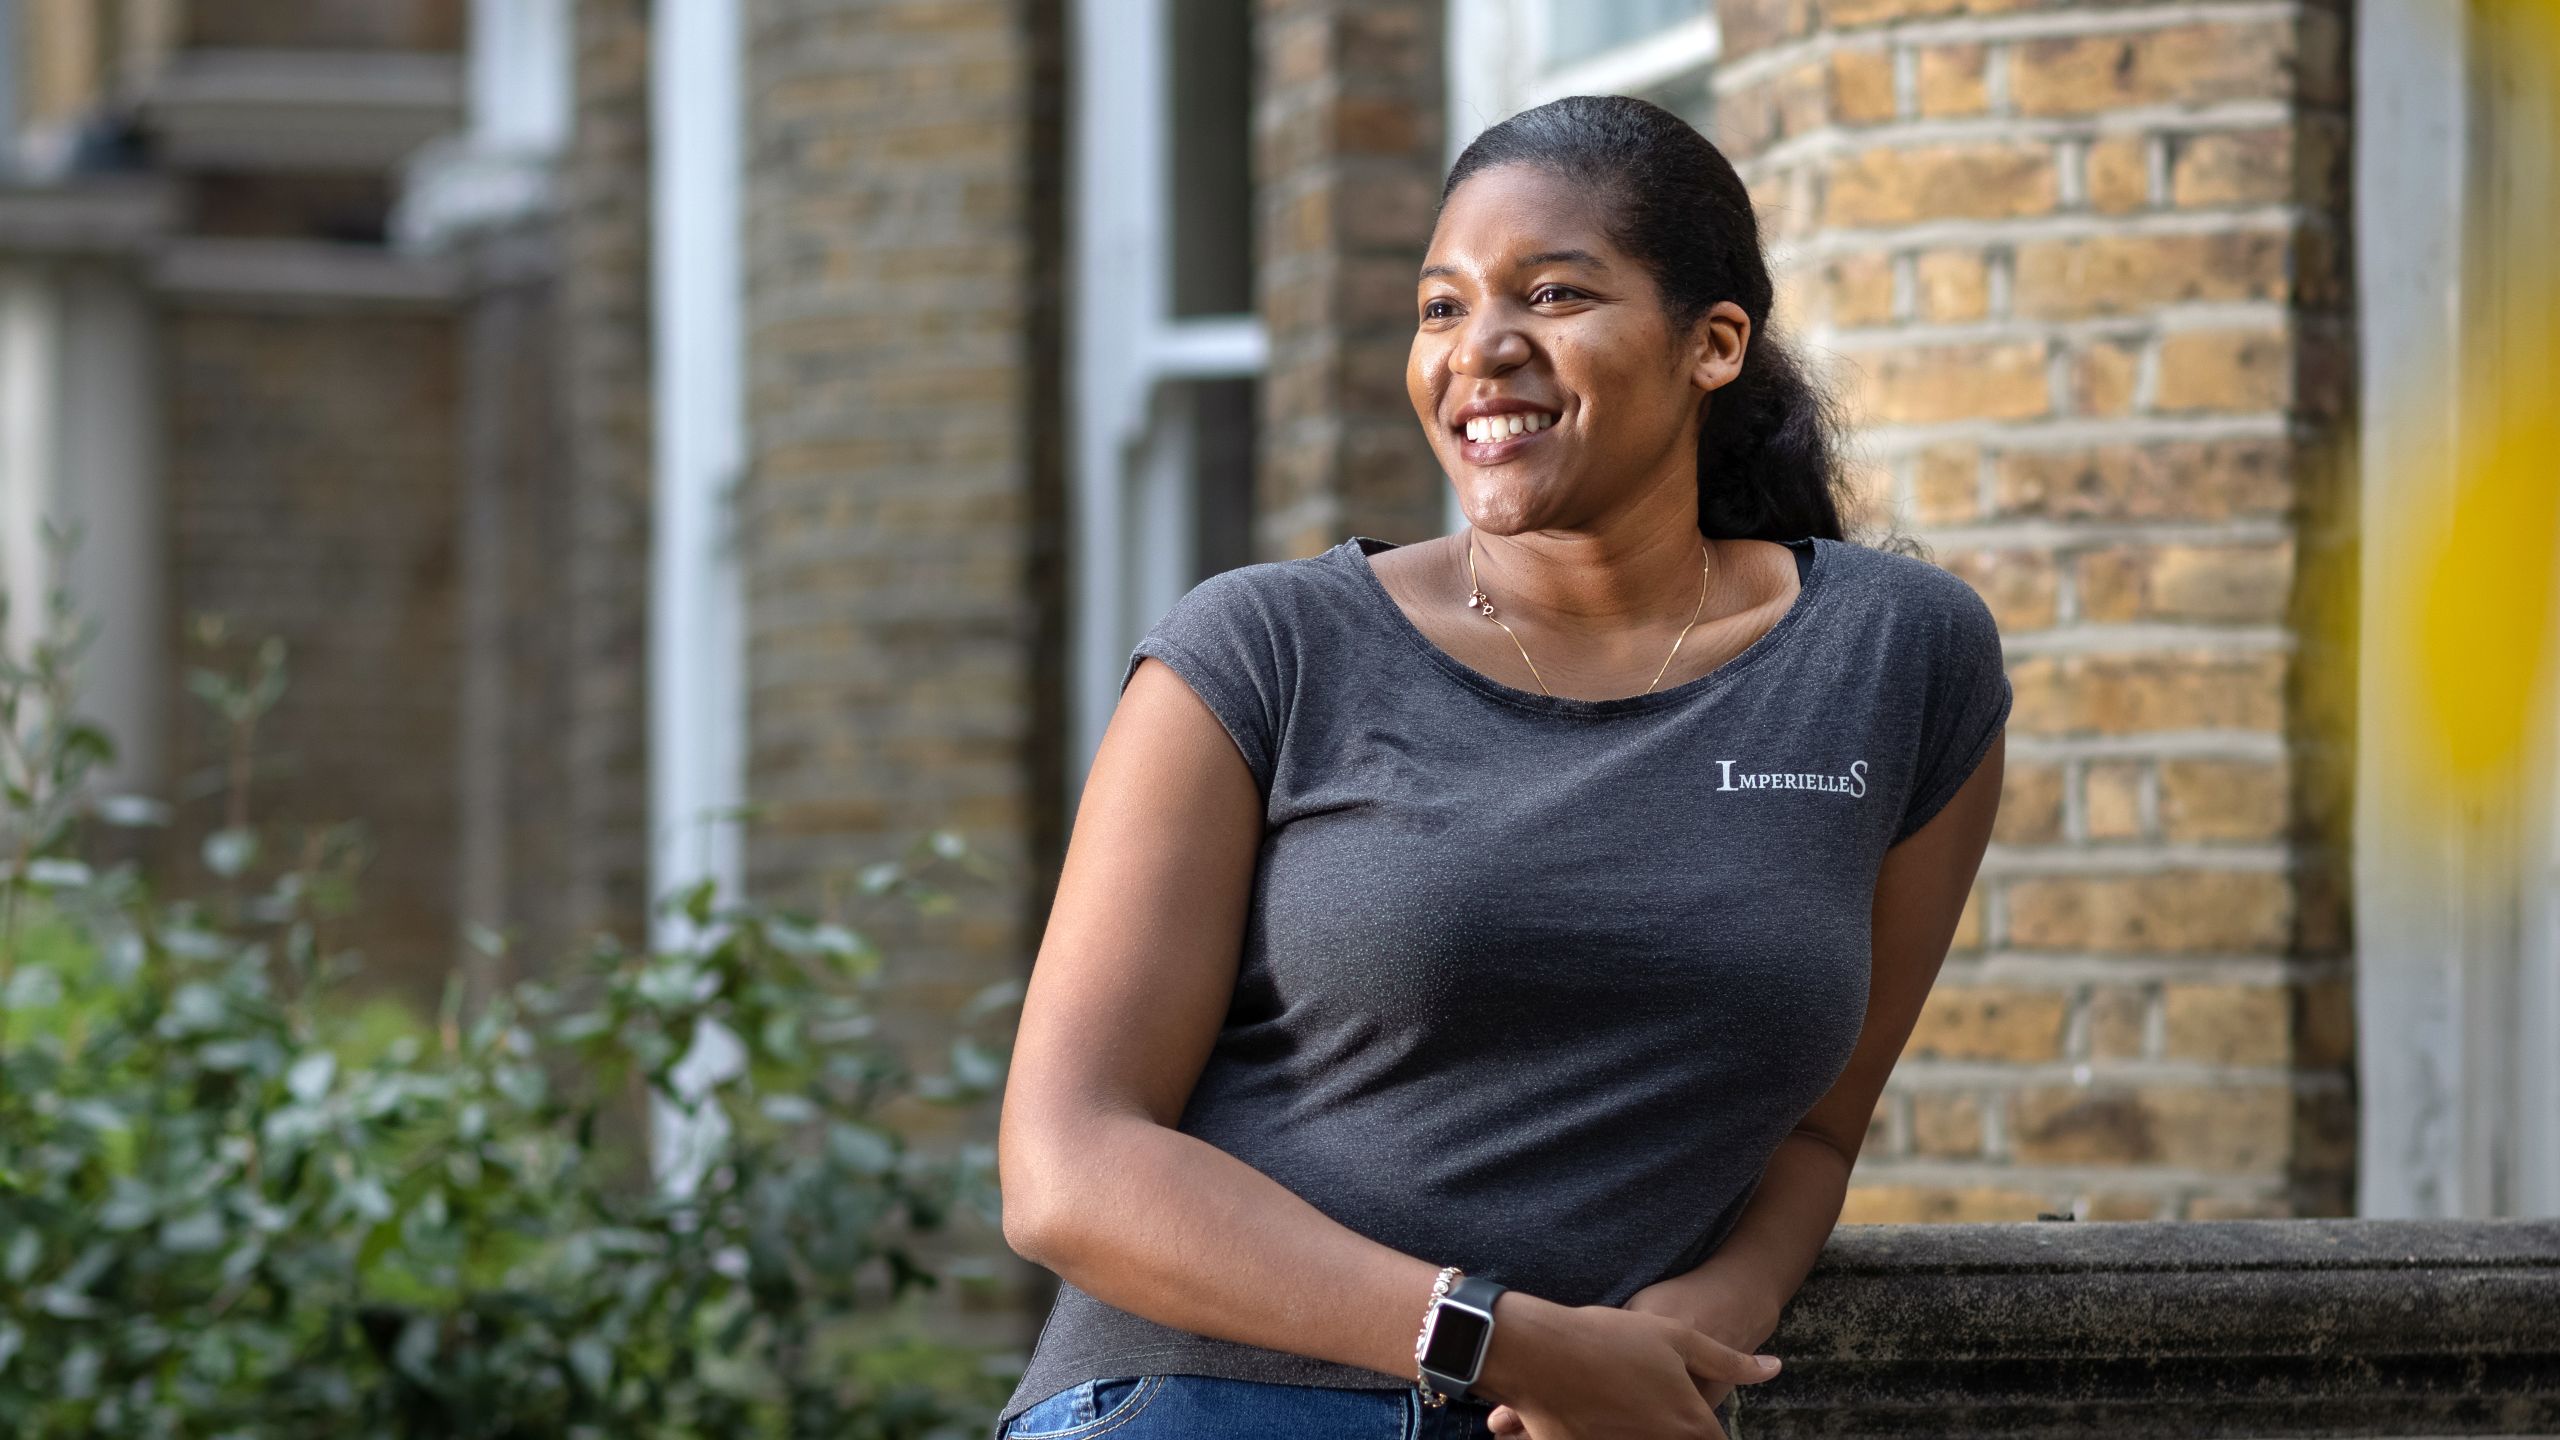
column 1130, row 988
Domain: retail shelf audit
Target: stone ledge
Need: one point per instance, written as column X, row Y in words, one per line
column 2222, row 1328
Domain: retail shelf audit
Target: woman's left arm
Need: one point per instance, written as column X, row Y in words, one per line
column 1738, row 1294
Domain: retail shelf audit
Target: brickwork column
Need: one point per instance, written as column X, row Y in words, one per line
column 603, row 303
column 2079, row 271
column 900, row 508
column 1347, row 167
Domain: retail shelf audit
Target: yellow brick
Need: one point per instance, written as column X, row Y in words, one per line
column 1938, row 1204
column 1803, row 96
column 1946, row 485
column 2249, row 167
column 2223, row 799
column 2125, row 274
column 1981, row 1022
column 2178, row 65
column 2227, row 1024
column 2030, row 804
column 1924, row 384
column 1968, row 934
column 2229, row 583
column 1862, row 85
column 2168, row 913
column 1952, row 81
column 1946, row 1125
column 2020, row 585
column 2103, row 377
column 2225, row 370
column 1860, row 288
column 2100, row 694
column 2118, row 1020
column 2205, row 480
column 2111, row 798
column 2236, row 1129
column 1955, row 285
column 1901, row 185
column 2120, row 1205
column 2119, row 174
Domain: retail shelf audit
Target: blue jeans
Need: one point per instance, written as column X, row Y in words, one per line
column 1204, row 1407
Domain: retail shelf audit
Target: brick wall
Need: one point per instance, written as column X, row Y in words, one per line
column 603, row 301
column 310, row 476
column 2080, row 271
column 899, row 521
column 1347, row 165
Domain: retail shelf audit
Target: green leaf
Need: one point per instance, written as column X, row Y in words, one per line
column 309, row 1078
column 230, row 852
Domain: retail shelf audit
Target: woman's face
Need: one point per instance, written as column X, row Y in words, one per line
column 1529, row 319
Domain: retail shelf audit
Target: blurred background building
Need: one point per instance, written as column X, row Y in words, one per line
column 633, row 411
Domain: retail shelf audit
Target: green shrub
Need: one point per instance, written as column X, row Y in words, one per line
column 234, row 1202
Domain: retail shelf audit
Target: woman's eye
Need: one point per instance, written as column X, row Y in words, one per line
column 1437, row 310
column 1561, row 292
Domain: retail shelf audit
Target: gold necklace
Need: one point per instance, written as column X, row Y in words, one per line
column 1477, row 601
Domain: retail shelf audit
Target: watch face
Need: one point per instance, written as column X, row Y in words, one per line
column 1456, row 1338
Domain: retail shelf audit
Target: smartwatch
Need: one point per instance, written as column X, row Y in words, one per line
column 1456, row 1335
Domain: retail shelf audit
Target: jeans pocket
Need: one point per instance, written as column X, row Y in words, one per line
column 1087, row 1408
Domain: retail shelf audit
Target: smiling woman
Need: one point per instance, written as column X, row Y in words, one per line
column 1429, row 1040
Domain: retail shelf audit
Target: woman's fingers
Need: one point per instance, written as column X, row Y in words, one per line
column 1506, row 1421
column 1712, row 1359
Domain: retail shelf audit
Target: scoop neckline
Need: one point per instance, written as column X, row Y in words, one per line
column 1807, row 593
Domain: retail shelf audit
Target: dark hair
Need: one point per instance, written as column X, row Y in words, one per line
column 1768, row 466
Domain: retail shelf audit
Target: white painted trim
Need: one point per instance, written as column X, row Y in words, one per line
column 76, row 367
column 1130, row 442
column 2454, row 935
column 697, row 622
column 30, row 442
column 696, row 631
column 498, row 170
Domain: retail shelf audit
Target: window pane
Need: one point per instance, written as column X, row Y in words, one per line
column 1225, row 414
column 1580, row 29
column 1211, row 92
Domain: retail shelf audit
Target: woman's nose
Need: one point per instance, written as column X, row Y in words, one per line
column 1489, row 345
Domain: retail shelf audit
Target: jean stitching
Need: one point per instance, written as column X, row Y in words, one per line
column 1148, row 1389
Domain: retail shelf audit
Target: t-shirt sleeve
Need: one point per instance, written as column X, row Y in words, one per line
column 1966, row 702
column 1223, row 639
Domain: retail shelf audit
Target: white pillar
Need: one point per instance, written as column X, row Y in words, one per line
column 697, row 631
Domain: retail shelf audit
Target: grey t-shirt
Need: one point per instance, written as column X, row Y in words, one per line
column 1534, row 985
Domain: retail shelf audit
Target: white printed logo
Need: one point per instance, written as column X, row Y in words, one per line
column 1852, row 784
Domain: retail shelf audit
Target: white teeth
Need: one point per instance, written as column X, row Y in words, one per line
column 1501, row 427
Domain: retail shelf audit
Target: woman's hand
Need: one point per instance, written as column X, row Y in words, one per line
column 1682, row 1302
column 1600, row 1372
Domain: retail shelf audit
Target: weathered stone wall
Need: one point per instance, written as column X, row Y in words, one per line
column 1347, row 165
column 2079, row 269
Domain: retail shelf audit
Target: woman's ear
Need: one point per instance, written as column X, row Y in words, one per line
column 1717, row 344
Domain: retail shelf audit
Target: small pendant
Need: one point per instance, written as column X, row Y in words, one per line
column 1476, row 601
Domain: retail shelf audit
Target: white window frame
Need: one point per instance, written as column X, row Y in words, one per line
column 1496, row 67
column 1131, row 525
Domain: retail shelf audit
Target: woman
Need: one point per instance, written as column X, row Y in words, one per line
column 1548, row 901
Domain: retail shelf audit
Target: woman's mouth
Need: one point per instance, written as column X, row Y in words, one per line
column 1489, row 438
